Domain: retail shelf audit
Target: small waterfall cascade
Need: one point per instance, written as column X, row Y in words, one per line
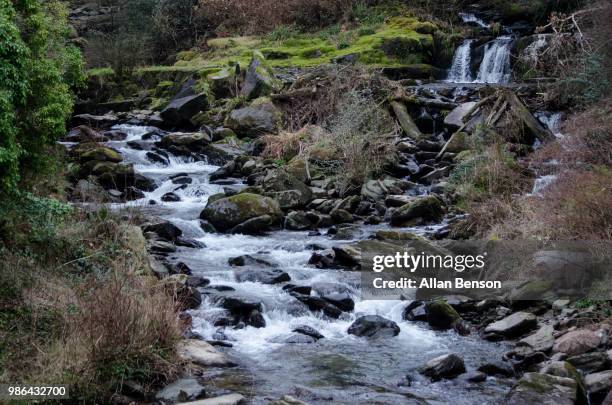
column 471, row 18
column 495, row 66
column 460, row 70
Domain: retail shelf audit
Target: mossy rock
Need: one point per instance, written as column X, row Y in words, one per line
column 440, row 315
column 227, row 213
column 423, row 209
column 101, row 154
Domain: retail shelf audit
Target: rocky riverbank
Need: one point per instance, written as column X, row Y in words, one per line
column 256, row 224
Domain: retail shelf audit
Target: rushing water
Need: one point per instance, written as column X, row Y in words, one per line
column 460, row 71
column 472, row 18
column 339, row 368
column 495, row 66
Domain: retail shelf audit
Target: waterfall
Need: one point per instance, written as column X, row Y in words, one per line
column 471, row 18
column 495, row 66
column 460, row 70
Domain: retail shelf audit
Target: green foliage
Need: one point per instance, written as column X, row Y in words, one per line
column 37, row 72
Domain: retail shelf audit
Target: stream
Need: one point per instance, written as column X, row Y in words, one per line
column 339, row 368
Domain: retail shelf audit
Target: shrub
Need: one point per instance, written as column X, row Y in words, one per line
column 262, row 16
column 37, row 71
column 364, row 133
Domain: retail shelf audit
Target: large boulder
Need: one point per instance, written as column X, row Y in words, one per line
column 375, row 190
column 261, row 117
column 101, row 154
column 286, row 189
column 374, row 326
column 181, row 110
column 228, row 213
column 194, row 142
column 259, row 80
column 516, row 324
column 578, row 342
column 421, row 209
column 446, row 366
column 538, row 388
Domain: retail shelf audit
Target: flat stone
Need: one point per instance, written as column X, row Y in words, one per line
column 230, row 399
column 203, row 354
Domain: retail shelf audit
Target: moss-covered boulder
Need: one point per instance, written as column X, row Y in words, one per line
column 223, row 82
column 539, row 388
column 185, row 142
column 261, row 117
column 259, row 79
column 440, row 315
column 101, row 154
column 228, row 213
column 422, row 209
column 289, row 191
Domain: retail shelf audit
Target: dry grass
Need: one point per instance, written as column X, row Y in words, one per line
column 84, row 312
column 577, row 205
column 314, row 98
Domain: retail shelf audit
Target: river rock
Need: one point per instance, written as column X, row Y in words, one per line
column 95, row 121
column 290, row 192
column 542, row 340
column 298, row 338
column 513, row 325
column 578, row 342
column 373, row 326
column 229, row 399
column 376, row 190
column 227, row 213
column 202, row 354
column 415, row 311
column 598, row 384
column 261, row 117
column 163, row 228
column 447, row 366
column 181, row 110
column 101, row 154
column 83, row 133
column 538, row 388
column 264, row 276
column 187, row 142
column 309, row 331
column 299, row 221
column 341, row 300
column 249, row 260
column 170, row 197
column 319, row 304
column 440, row 315
column 590, row 362
column 497, row 368
column 287, row 400
column 347, row 255
column 185, row 389
column 423, row 209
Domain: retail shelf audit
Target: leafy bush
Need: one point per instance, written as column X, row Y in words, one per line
column 38, row 69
